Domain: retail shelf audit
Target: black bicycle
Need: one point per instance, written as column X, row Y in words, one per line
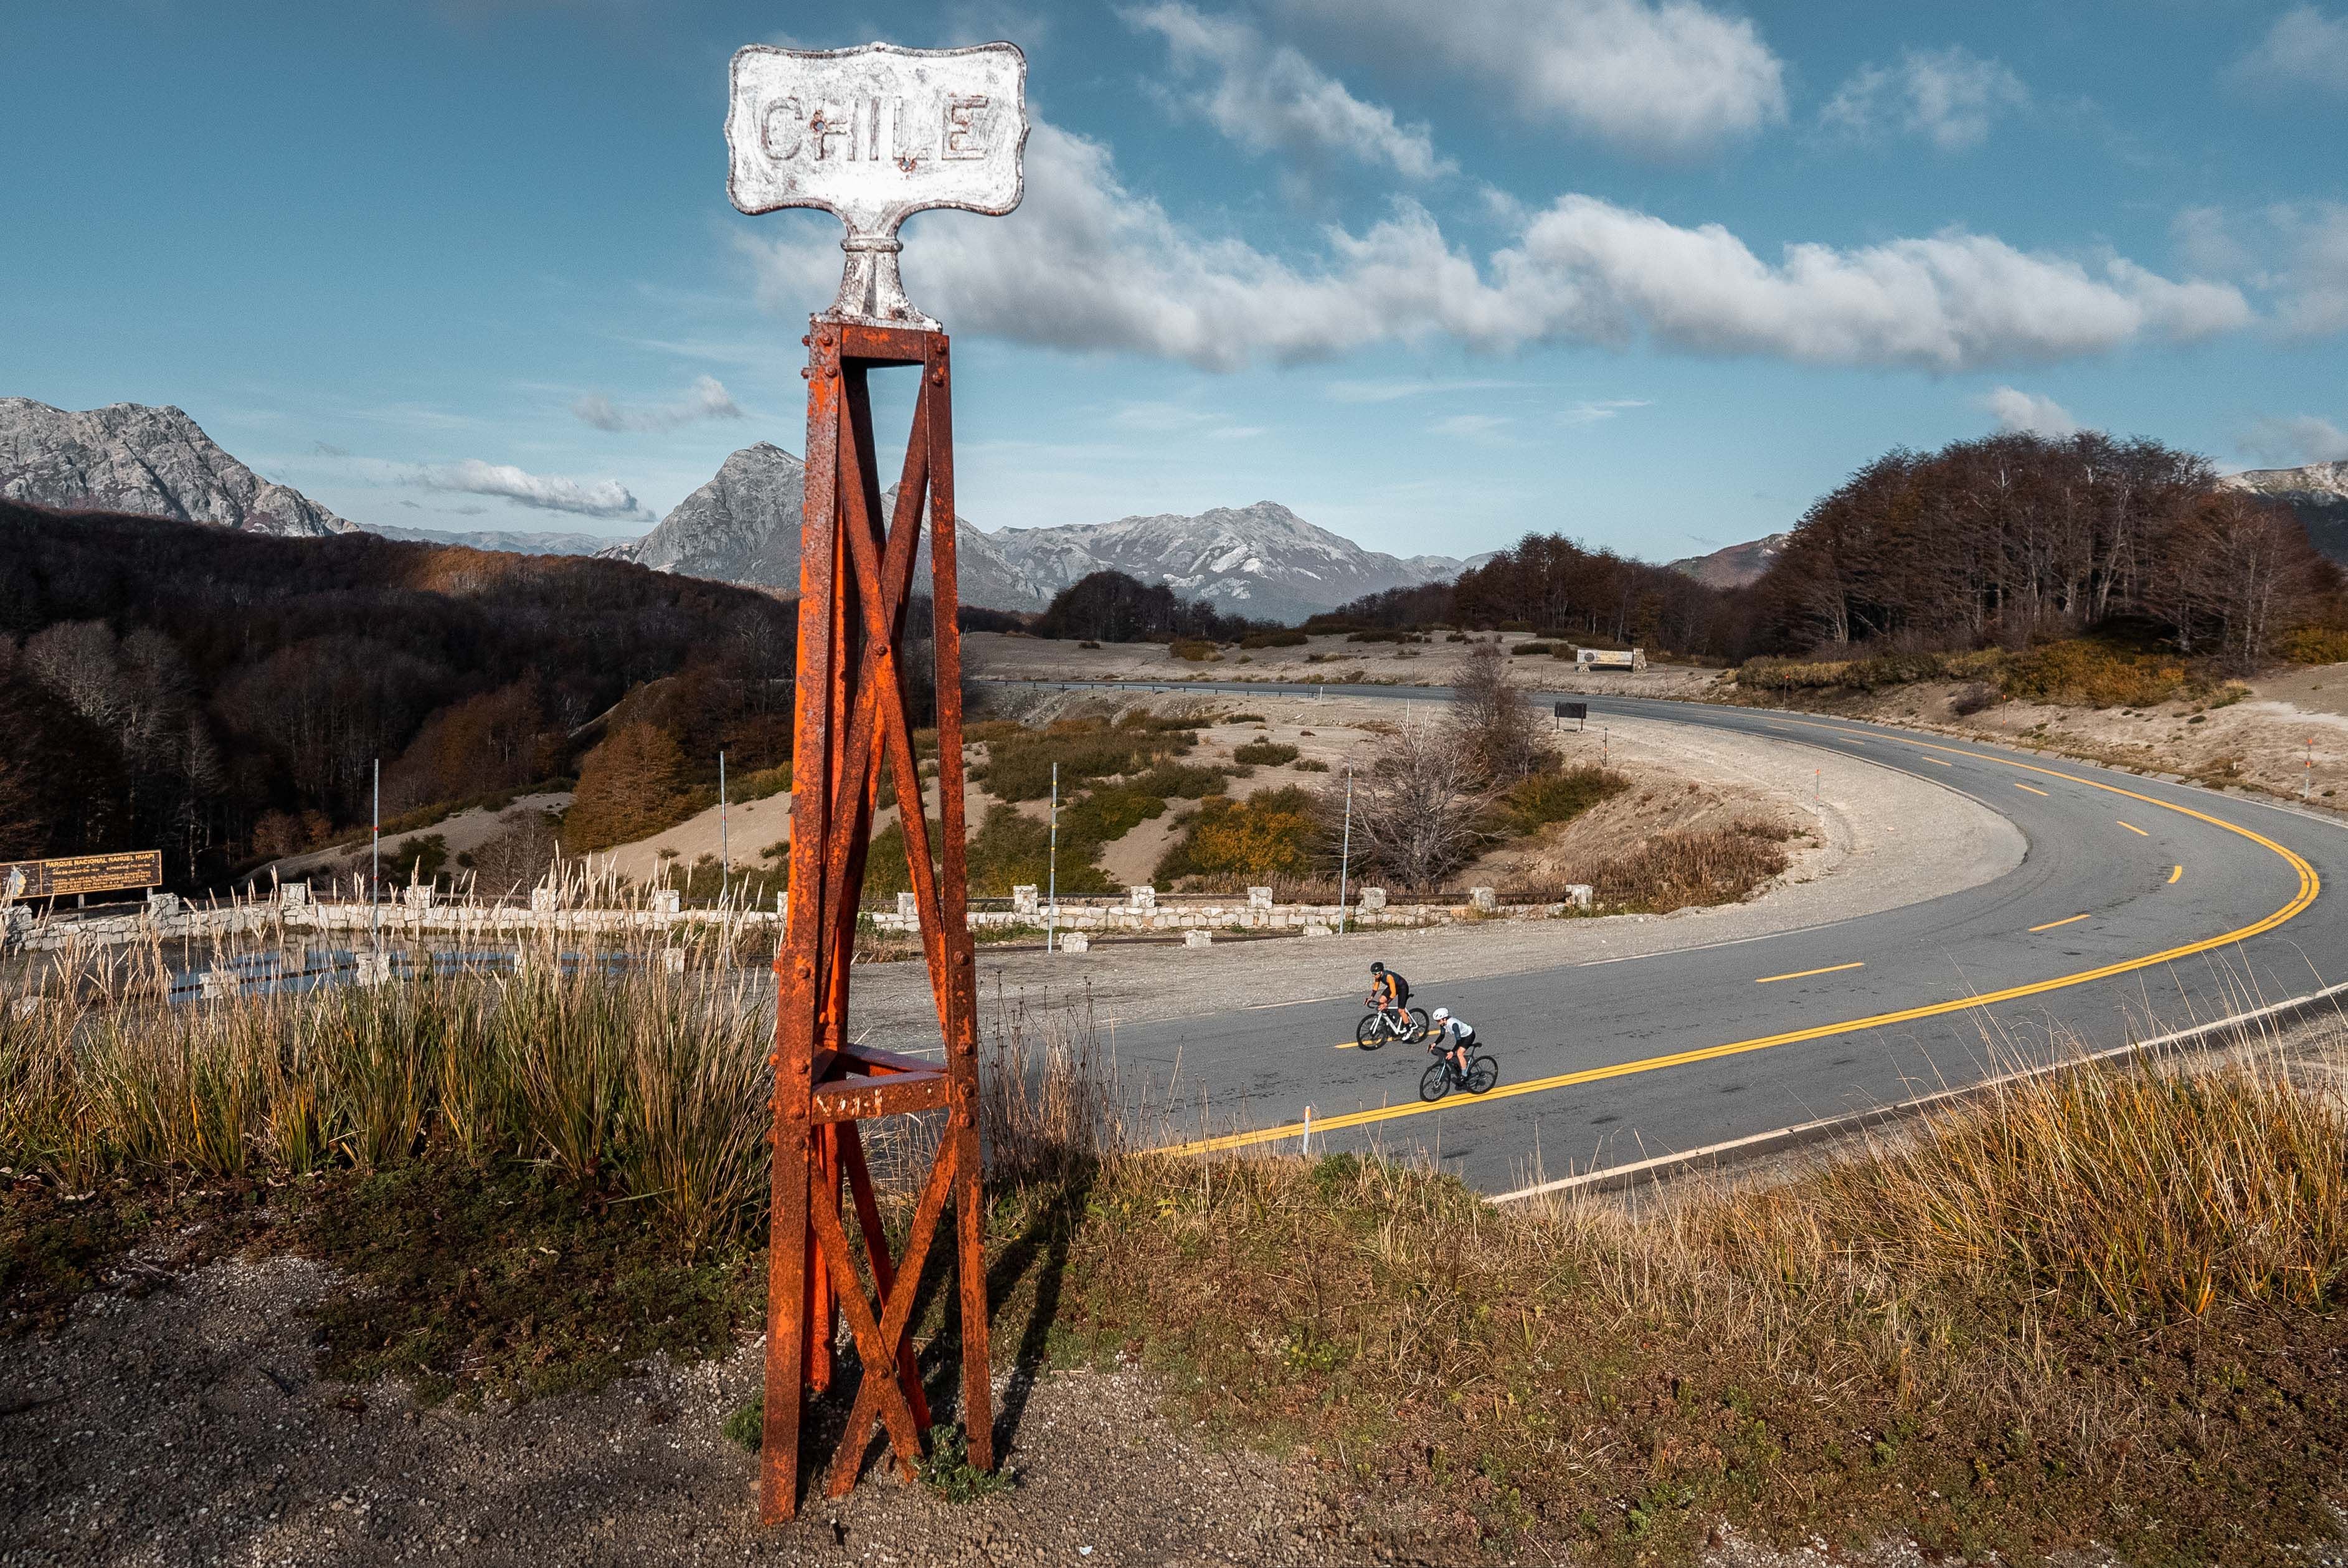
column 1441, row 1078
column 1391, row 1023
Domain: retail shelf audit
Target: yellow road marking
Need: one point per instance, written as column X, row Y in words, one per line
column 2175, row 873
column 2133, row 828
column 2309, row 885
column 1804, row 974
column 2066, row 920
column 2034, row 789
column 1937, row 761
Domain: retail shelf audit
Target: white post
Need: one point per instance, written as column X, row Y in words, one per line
column 1052, row 918
column 1307, row 1149
column 374, row 866
column 1346, row 853
column 724, row 849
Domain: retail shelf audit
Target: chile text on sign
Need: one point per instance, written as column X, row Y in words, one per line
column 874, row 135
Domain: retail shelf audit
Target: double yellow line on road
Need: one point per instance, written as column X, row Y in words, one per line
column 2309, row 885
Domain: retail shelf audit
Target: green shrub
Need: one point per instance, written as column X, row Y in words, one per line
column 1181, row 780
column 1107, row 813
column 1308, row 765
column 1267, row 753
column 1273, row 640
column 1196, row 650
column 2095, row 675
column 1535, row 647
column 1274, row 834
column 1558, row 796
column 1019, row 767
column 1011, row 848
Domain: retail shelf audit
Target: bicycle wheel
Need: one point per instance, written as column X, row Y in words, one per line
column 1417, row 1025
column 1372, row 1033
column 1482, row 1073
column 1436, row 1082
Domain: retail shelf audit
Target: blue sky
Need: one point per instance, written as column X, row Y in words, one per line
column 1431, row 273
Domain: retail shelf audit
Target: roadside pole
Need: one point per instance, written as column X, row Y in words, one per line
column 1345, row 853
column 374, row 864
column 1052, row 915
column 725, row 850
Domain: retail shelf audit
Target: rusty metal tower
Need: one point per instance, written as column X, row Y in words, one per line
column 871, row 135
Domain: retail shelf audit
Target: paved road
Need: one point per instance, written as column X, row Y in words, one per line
column 2140, row 905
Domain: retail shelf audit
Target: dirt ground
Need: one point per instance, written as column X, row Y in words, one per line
column 189, row 1425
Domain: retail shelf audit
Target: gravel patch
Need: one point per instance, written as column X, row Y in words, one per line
column 189, row 1425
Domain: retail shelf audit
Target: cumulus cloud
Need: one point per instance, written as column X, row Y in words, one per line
column 2016, row 411
column 2289, row 442
column 1272, row 99
column 2304, row 48
column 1668, row 78
column 1949, row 96
column 543, row 492
column 1086, row 264
column 708, row 399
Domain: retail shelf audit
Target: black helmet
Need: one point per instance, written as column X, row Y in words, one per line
column 1377, row 968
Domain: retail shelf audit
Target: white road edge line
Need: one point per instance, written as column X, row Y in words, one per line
column 1613, row 1177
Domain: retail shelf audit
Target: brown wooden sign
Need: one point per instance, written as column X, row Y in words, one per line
column 81, row 874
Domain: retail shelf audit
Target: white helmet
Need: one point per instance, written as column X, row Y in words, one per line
column 1442, row 1015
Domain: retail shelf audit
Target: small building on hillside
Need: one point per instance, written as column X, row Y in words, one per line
column 1611, row 658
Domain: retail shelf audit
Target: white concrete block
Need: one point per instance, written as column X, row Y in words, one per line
column 162, row 905
column 1259, row 898
column 1075, row 942
column 417, row 897
column 1374, row 899
column 375, row 967
column 909, row 909
column 293, row 895
column 667, row 901
column 1022, row 898
column 1483, row 898
column 1142, row 898
column 1316, row 929
column 673, row 960
column 1581, row 895
column 544, row 901
column 1198, row 939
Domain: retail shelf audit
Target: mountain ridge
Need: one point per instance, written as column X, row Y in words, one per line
column 147, row 460
column 1261, row 560
column 2317, row 493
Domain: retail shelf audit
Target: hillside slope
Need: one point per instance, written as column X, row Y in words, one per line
column 154, row 462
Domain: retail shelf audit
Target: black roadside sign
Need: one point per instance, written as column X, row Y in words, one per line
column 81, row 874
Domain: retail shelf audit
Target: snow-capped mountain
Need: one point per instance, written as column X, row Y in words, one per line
column 2318, row 493
column 514, row 541
column 157, row 462
column 1262, row 560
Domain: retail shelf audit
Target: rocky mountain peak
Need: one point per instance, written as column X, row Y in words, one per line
column 154, row 461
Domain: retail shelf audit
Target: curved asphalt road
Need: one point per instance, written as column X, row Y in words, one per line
column 2140, row 906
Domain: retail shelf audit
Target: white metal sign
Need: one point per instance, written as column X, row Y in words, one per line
column 874, row 135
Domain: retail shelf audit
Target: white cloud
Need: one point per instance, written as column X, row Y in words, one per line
column 1947, row 96
column 543, row 492
column 1087, row 264
column 2017, row 411
column 1180, row 419
column 1664, row 77
column 1271, row 98
column 1396, row 391
column 709, row 399
column 2304, row 48
column 1591, row 411
column 2296, row 252
column 1476, row 429
column 2289, row 442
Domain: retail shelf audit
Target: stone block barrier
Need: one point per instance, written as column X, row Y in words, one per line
column 1141, row 912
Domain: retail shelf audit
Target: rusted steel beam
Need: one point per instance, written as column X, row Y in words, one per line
column 880, row 1391
column 861, row 1099
column 853, row 723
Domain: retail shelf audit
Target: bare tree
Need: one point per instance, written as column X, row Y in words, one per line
column 1416, row 814
column 1498, row 727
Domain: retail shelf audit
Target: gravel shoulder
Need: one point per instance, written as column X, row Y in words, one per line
column 189, row 1425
